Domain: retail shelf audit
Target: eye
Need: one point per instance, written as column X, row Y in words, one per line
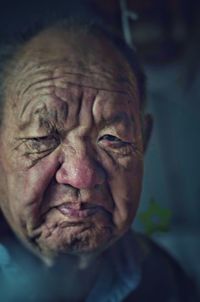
column 112, row 141
column 114, row 144
column 41, row 144
column 110, row 138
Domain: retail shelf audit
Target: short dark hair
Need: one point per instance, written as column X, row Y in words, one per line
column 95, row 27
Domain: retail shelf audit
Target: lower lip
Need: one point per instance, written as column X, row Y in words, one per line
column 77, row 213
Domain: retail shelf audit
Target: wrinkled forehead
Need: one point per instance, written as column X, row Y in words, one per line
column 72, row 57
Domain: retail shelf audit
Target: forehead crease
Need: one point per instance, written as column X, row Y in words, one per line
column 60, row 89
column 67, row 92
column 25, row 77
column 79, row 66
column 88, row 81
column 96, row 75
column 43, row 77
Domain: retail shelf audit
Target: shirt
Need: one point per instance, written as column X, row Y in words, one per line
column 133, row 269
column 119, row 274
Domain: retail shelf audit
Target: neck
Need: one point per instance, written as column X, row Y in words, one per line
column 70, row 273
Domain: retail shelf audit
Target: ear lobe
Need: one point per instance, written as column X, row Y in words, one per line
column 147, row 130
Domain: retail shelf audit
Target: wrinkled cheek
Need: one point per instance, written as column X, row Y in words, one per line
column 25, row 193
column 125, row 190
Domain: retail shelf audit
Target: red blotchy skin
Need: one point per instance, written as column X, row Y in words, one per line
column 80, row 174
column 72, row 157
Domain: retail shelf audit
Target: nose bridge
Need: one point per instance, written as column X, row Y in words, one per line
column 79, row 167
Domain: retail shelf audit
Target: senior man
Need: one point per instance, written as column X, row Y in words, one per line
column 73, row 134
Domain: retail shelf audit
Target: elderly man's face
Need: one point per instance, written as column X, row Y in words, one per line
column 71, row 144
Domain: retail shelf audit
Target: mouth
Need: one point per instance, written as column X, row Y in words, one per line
column 79, row 210
column 78, row 216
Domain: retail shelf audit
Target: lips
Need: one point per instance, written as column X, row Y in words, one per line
column 78, row 210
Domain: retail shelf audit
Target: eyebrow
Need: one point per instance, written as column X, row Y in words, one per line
column 43, row 117
column 119, row 118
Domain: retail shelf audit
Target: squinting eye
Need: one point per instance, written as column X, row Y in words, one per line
column 112, row 141
column 41, row 144
column 114, row 144
column 110, row 138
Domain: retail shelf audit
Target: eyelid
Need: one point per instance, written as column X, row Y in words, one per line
column 118, row 143
column 115, row 140
column 48, row 135
column 121, row 137
column 118, row 130
column 41, row 137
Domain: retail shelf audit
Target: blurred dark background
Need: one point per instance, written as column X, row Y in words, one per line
column 166, row 34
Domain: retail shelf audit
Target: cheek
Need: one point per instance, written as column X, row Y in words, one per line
column 26, row 189
column 125, row 186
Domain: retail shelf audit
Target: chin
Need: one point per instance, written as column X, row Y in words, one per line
column 75, row 240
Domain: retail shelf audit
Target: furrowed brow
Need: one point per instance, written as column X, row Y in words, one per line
column 119, row 118
column 40, row 116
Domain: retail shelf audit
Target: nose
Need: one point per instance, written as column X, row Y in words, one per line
column 81, row 172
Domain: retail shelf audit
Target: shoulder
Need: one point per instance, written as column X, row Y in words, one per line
column 163, row 279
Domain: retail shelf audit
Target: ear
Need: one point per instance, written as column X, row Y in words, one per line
column 147, row 130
